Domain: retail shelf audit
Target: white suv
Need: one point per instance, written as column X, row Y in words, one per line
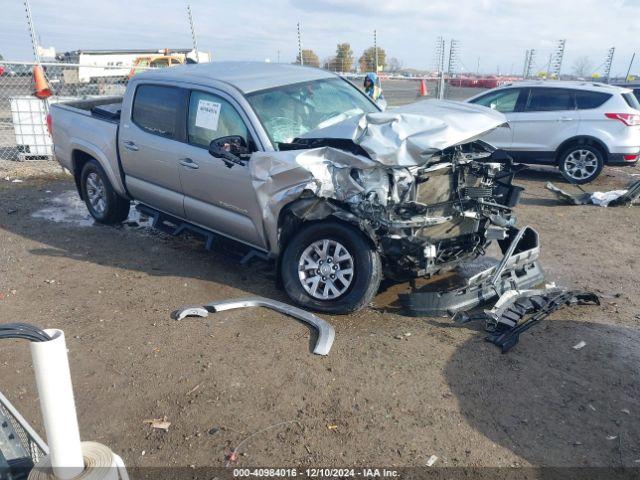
column 578, row 126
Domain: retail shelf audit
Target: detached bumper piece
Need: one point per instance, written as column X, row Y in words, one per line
column 615, row 198
column 326, row 333
column 505, row 320
column 518, row 270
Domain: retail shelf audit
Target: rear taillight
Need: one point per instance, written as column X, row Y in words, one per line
column 629, row 119
column 50, row 124
column 630, row 158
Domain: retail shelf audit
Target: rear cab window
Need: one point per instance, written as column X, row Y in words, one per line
column 550, row 100
column 160, row 110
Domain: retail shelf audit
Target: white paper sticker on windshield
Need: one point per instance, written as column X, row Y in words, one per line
column 208, row 114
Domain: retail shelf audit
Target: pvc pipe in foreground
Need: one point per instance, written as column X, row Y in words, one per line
column 53, row 379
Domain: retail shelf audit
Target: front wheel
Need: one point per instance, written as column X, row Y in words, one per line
column 103, row 202
column 581, row 163
column 330, row 267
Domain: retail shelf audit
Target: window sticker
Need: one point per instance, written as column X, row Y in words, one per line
column 208, row 114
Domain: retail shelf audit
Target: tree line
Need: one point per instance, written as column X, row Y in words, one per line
column 344, row 60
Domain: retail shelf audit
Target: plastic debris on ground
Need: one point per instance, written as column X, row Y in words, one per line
column 580, row 345
column 159, row 423
column 432, row 459
column 612, row 198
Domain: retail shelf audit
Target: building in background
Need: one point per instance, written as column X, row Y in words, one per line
column 96, row 64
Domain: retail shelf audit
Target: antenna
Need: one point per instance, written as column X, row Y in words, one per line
column 529, row 57
column 440, row 56
column 32, row 31
column 193, row 34
column 558, row 56
column 608, row 63
column 375, row 48
column 300, row 45
column 454, row 48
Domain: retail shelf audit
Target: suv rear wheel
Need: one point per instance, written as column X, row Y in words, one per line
column 330, row 267
column 581, row 163
column 103, row 202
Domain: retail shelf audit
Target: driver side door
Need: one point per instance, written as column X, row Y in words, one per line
column 217, row 197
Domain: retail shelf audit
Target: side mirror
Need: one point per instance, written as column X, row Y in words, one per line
column 228, row 148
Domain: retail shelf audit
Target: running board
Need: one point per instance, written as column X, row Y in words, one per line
column 174, row 226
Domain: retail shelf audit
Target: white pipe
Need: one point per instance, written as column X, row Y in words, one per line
column 53, row 379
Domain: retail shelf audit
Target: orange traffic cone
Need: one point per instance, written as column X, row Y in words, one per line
column 423, row 88
column 42, row 87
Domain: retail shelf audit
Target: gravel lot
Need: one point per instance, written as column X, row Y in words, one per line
column 393, row 391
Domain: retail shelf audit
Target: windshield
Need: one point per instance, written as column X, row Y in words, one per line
column 292, row 110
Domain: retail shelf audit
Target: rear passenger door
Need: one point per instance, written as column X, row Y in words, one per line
column 150, row 145
column 549, row 117
column 217, row 197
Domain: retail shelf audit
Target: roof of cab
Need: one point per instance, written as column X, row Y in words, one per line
column 245, row 76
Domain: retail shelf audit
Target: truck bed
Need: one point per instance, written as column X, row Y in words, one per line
column 89, row 128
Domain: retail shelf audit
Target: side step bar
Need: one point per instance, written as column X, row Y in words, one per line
column 174, row 226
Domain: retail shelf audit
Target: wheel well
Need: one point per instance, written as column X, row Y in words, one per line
column 289, row 223
column 575, row 141
column 79, row 159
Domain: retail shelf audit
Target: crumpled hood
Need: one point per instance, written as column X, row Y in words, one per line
column 410, row 135
column 394, row 140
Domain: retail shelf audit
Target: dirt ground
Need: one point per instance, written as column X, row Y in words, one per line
column 393, row 391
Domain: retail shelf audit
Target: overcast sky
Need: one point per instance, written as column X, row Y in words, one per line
column 495, row 32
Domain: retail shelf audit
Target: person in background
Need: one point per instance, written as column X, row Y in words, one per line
column 372, row 87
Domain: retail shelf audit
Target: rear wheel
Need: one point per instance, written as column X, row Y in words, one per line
column 103, row 202
column 330, row 267
column 581, row 163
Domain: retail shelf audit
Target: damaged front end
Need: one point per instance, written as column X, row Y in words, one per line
column 417, row 181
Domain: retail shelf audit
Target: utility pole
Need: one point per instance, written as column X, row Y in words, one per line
column 32, row 31
column 375, row 48
column 608, row 64
column 454, row 46
column 300, row 45
column 633, row 57
column 440, row 55
column 193, row 34
column 558, row 56
column 278, row 56
column 478, row 67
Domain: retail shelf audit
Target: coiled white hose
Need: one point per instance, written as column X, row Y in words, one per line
column 100, row 464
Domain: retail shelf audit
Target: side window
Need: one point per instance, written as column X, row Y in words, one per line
column 211, row 117
column 587, row 100
column 503, row 101
column 550, row 100
column 157, row 109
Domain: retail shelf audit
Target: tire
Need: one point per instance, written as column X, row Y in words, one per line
column 103, row 202
column 579, row 173
column 348, row 292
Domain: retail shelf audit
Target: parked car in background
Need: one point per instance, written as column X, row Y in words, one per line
column 578, row 126
column 144, row 63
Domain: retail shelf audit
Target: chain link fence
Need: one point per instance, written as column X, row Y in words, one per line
column 23, row 127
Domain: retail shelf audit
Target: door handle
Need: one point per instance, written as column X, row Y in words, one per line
column 187, row 162
column 129, row 145
column 565, row 119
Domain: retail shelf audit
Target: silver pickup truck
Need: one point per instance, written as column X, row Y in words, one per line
column 300, row 165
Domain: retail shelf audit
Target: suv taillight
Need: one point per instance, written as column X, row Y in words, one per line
column 50, row 124
column 629, row 119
